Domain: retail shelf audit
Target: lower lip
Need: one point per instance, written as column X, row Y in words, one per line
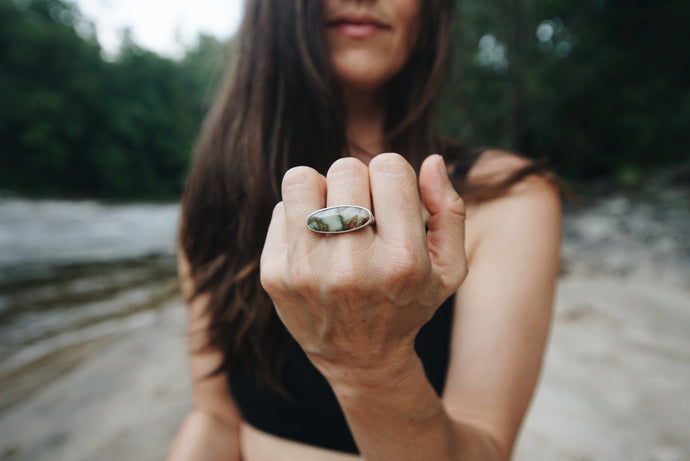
column 353, row 30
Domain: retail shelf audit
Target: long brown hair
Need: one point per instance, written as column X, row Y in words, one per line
column 280, row 107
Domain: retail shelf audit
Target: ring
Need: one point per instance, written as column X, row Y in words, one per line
column 339, row 219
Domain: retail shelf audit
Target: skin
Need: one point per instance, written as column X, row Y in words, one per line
column 365, row 62
column 358, row 326
column 363, row 65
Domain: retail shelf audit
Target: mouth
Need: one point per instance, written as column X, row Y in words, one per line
column 356, row 25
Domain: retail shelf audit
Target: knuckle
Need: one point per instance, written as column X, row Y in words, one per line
column 347, row 167
column 407, row 268
column 278, row 210
column 302, row 279
column 299, row 176
column 463, row 273
column 407, row 275
column 390, row 163
column 271, row 279
column 456, row 276
column 456, row 205
column 351, row 274
column 343, row 281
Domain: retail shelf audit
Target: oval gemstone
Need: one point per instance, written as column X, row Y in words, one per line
column 339, row 219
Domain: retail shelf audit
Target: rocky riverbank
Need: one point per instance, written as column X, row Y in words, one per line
column 646, row 240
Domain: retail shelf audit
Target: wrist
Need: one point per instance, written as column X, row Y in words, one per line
column 393, row 371
column 400, row 392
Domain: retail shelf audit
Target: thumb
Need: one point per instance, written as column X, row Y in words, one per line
column 446, row 235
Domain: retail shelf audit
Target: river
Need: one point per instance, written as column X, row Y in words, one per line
column 73, row 273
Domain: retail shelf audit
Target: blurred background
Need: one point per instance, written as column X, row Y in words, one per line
column 100, row 104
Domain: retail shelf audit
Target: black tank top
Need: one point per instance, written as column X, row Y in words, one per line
column 311, row 414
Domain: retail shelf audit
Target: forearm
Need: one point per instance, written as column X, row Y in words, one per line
column 397, row 415
column 204, row 438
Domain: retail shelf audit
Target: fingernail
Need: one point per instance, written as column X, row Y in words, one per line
column 442, row 167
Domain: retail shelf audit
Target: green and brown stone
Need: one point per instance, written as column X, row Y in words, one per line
column 339, row 219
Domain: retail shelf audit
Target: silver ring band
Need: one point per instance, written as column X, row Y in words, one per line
column 339, row 219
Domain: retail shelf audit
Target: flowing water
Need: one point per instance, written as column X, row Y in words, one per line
column 72, row 275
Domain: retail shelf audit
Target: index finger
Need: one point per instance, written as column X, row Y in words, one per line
column 304, row 191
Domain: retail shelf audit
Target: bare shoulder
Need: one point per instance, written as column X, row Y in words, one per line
column 496, row 165
column 530, row 207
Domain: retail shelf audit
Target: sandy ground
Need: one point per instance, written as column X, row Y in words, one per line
column 124, row 402
column 616, row 377
column 614, row 387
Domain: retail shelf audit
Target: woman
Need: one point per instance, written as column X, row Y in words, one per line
column 351, row 355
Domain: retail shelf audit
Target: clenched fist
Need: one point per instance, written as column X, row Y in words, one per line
column 355, row 301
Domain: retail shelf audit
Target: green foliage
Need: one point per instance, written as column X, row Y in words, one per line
column 603, row 91
column 74, row 124
column 598, row 87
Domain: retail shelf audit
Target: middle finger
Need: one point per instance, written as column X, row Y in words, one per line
column 348, row 183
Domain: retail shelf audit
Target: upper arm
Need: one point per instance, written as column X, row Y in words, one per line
column 210, row 391
column 503, row 308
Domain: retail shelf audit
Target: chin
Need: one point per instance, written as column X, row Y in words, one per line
column 364, row 74
column 363, row 82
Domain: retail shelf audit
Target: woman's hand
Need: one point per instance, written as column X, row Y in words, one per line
column 355, row 301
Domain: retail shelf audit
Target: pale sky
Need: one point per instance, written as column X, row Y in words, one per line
column 164, row 26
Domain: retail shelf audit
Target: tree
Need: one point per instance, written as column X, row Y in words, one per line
column 596, row 86
column 74, row 124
